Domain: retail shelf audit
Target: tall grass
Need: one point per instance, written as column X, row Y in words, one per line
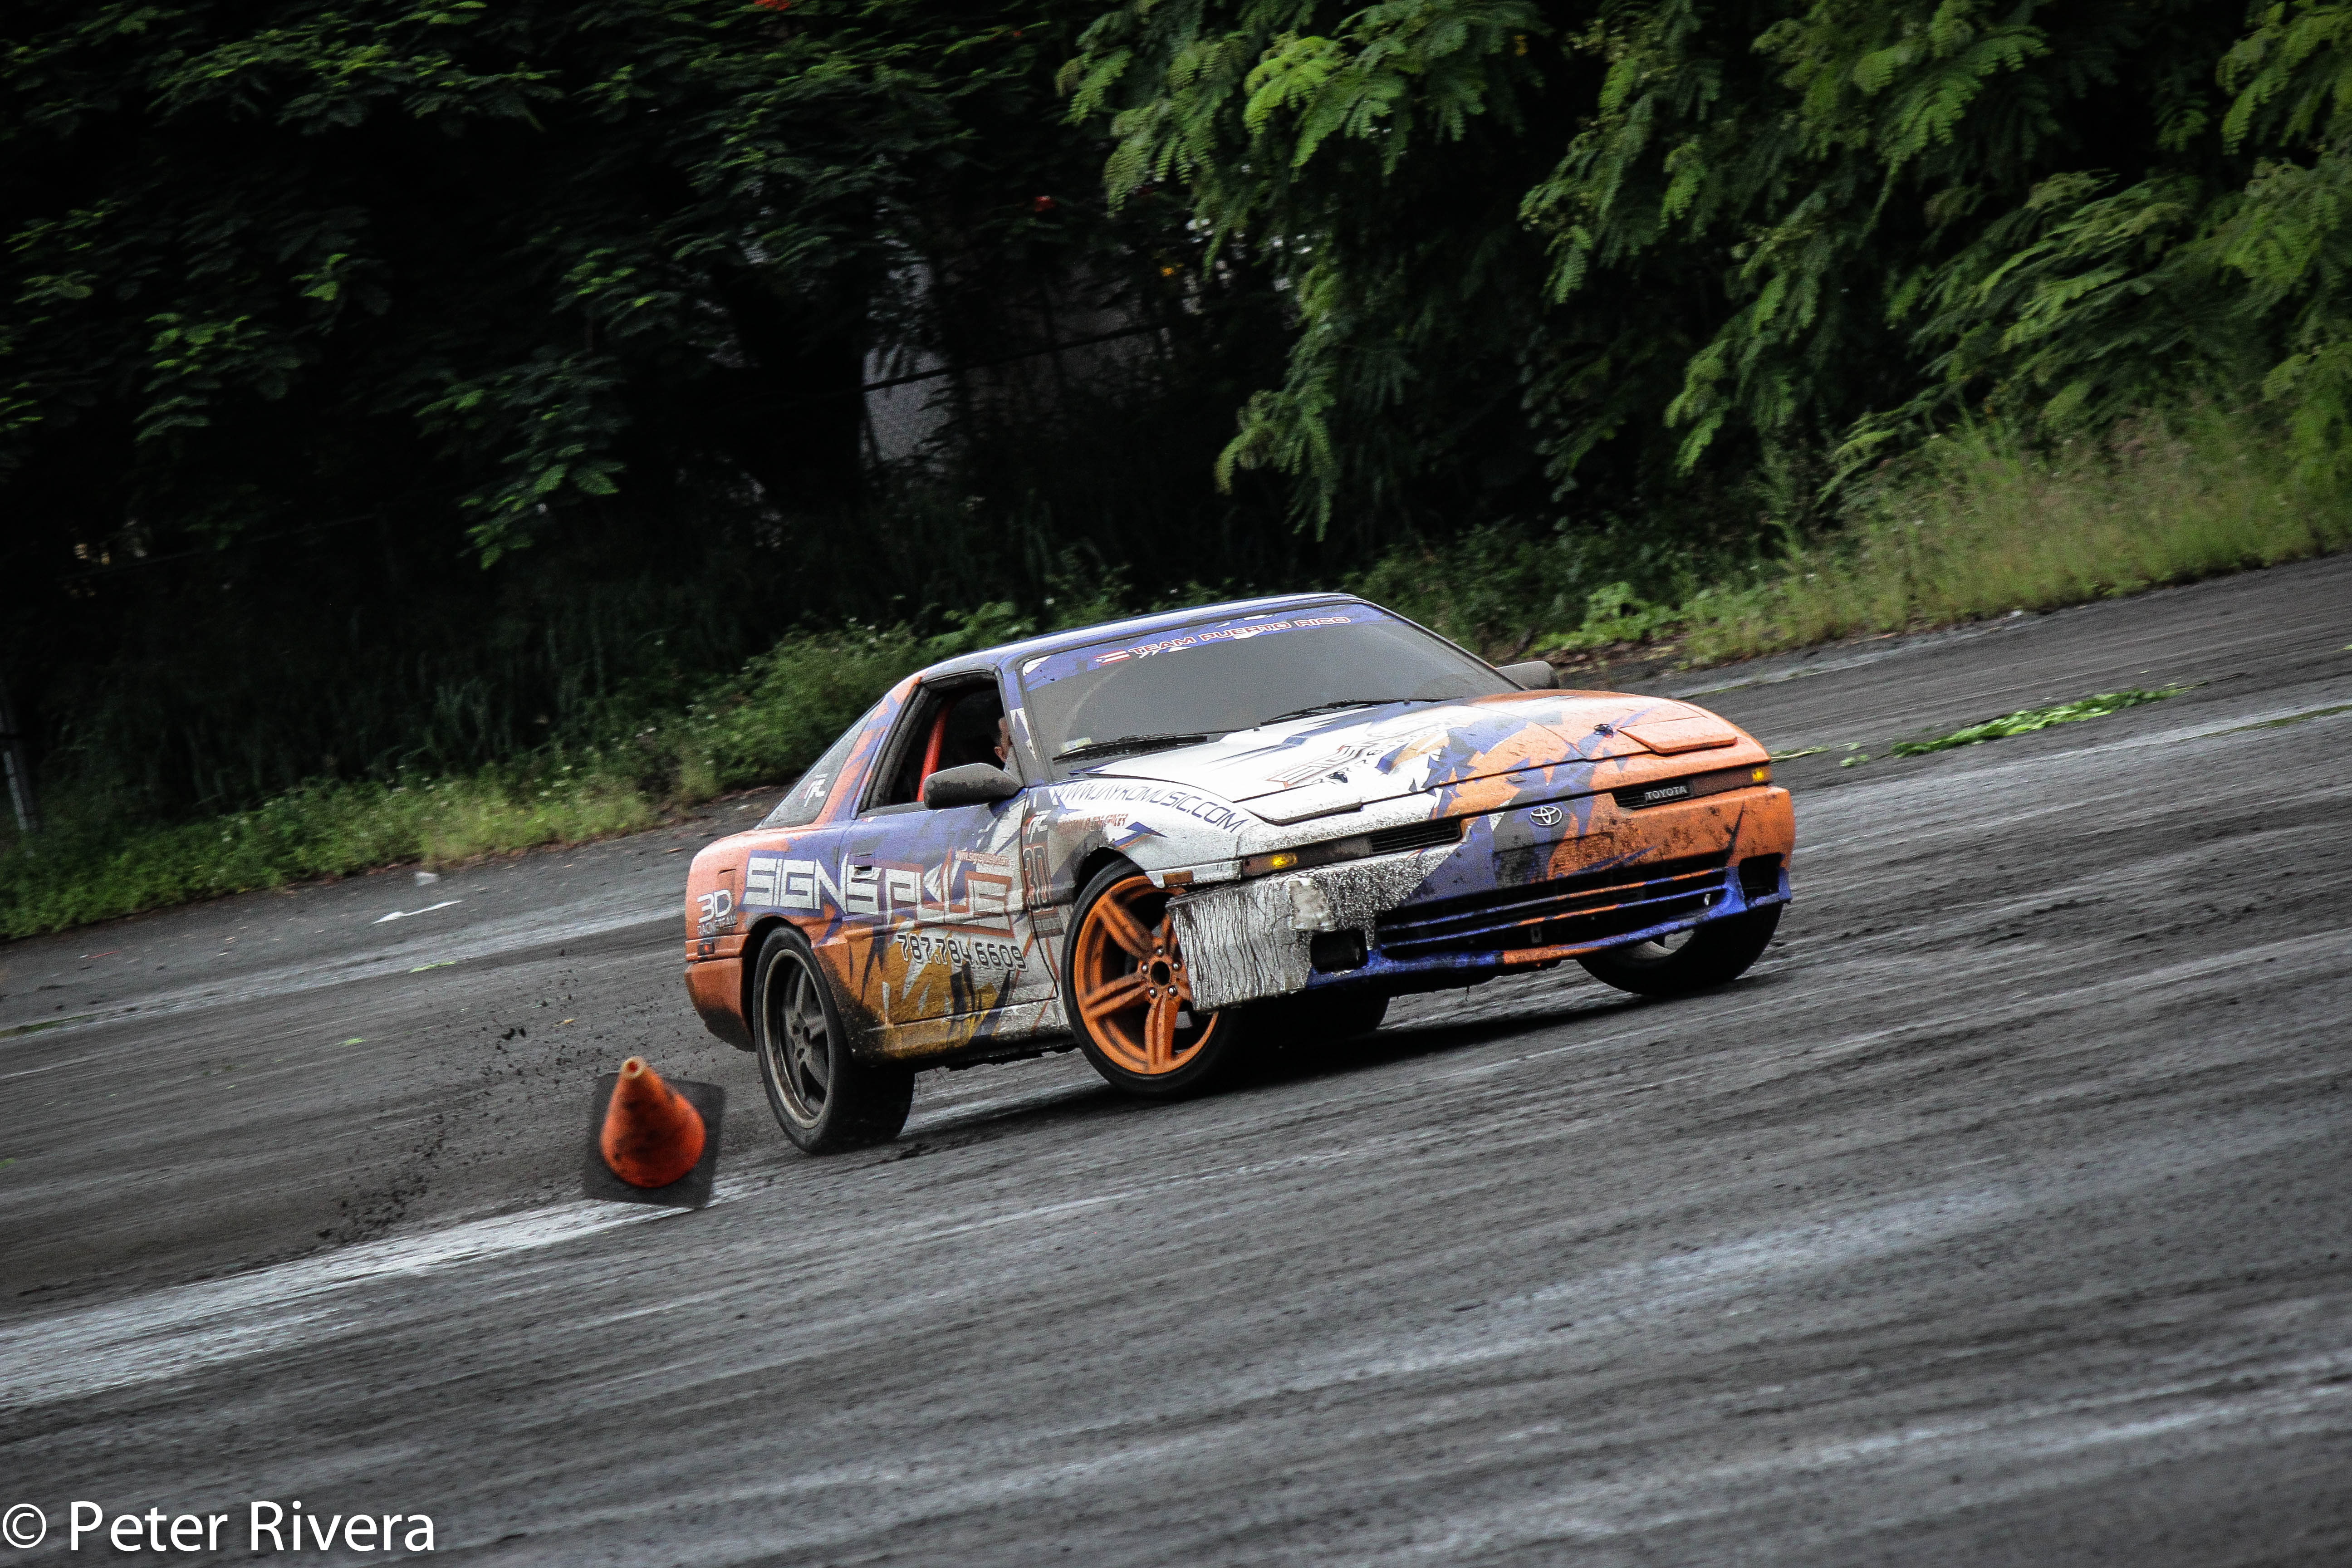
column 1978, row 526
column 83, row 870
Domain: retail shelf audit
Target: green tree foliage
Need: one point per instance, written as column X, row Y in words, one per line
column 1695, row 240
column 309, row 311
column 268, row 258
column 1376, row 160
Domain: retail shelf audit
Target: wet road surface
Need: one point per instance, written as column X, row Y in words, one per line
column 2002, row 1214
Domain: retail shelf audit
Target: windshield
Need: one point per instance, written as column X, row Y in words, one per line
column 1201, row 682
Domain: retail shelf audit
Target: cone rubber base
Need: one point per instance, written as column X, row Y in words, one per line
column 690, row 1191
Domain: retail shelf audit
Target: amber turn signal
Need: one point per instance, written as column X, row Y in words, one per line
column 1306, row 854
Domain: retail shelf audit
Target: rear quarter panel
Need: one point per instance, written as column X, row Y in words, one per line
column 724, row 920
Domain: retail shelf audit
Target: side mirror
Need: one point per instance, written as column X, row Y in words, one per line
column 1535, row 675
column 974, row 783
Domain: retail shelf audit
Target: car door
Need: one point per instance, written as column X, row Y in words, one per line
column 798, row 873
column 939, row 891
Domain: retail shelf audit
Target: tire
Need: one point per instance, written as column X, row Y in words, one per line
column 1713, row 955
column 826, row 1098
column 1125, row 990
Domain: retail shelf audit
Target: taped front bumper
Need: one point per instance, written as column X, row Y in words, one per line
column 1502, row 899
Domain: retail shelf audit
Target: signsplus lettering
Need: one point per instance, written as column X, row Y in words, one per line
column 970, row 888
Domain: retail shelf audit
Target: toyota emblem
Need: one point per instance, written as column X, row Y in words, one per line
column 1545, row 816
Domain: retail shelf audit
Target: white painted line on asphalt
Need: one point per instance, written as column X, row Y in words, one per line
column 412, row 915
column 2135, row 985
column 71, row 1062
column 186, row 1328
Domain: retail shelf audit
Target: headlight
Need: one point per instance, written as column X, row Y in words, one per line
column 1387, row 841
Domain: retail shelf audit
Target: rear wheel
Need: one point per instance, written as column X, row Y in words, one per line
column 1129, row 998
column 824, row 1097
column 1712, row 954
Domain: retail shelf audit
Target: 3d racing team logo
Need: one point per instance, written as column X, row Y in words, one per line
column 717, row 913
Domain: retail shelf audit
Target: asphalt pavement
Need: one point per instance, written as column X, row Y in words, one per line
column 2002, row 1214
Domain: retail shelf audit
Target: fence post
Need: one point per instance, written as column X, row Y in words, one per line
column 14, row 761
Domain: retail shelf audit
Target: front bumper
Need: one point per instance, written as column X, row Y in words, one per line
column 1508, row 895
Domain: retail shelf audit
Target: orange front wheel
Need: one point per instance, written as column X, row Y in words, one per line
column 1129, row 998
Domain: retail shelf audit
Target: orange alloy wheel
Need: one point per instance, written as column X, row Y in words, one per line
column 1129, row 979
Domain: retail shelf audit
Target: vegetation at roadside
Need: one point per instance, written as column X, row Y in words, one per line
column 83, row 869
column 1982, row 523
column 2026, row 720
column 1978, row 522
column 388, row 389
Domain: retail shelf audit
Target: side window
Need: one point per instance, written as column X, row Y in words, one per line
column 805, row 799
column 946, row 728
column 973, row 730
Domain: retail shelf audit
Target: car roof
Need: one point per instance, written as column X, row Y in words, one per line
column 1112, row 631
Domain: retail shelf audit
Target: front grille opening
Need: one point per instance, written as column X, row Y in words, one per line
column 1417, row 836
column 1331, row 950
column 1591, row 906
column 1759, row 876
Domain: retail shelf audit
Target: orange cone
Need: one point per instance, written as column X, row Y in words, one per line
column 652, row 1134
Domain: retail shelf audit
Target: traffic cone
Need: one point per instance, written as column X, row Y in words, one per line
column 653, row 1136
column 652, row 1140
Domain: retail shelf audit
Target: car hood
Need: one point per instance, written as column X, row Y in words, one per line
column 1312, row 767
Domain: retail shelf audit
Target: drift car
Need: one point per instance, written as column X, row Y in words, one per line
column 1162, row 838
